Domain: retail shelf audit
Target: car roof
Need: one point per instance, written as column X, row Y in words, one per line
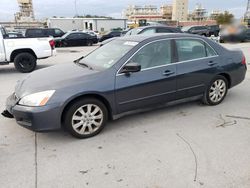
column 141, row 38
column 156, row 26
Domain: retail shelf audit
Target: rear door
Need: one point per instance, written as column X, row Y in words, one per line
column 72, row 39
column 196, row 66
column 83, row 38
column 154, row 84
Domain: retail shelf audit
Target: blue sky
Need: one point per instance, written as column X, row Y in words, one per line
column 66, row 8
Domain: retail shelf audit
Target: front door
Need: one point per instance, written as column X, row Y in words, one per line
column 154, row 84
column 196, row 66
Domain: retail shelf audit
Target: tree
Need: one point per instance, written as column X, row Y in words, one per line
column 224, row 18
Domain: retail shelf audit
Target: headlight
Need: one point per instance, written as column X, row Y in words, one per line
column 37, row 99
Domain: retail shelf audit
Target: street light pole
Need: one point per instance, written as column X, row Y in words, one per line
column 76, row 14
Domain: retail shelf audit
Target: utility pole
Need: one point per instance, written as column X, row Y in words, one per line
column 247, row 14
column 76, row 13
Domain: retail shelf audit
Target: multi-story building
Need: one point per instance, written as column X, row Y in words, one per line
column 148, row 12
column 214, row 14
column 199, row 13
column 180, row 10
column 166, row 11
column 26, row 11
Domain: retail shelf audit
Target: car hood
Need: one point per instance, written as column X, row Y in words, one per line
column 53, row 78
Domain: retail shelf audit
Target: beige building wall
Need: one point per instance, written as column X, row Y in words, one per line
column 180, row 10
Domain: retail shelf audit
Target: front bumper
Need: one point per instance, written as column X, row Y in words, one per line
column 45, row 118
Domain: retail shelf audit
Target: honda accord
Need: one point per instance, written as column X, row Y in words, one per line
column 126, row 74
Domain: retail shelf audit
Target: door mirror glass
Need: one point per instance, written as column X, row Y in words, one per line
column 131, row 67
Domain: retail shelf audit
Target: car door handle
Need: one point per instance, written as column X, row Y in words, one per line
column 212, row 63
column 168, row 73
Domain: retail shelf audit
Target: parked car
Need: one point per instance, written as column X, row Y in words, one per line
column 239, row 35
column 24, row 52
column 109, row 35
column 147, row 30
column 213, row 30
column 198, row 30
column 76, row 38
column 126, row 74
column 43, row 32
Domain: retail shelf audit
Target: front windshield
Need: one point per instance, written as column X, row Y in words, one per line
column 65, row 35
column 107, row 55
column 185, row 28
column 133, row 32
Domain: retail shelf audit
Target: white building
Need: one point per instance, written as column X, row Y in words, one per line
column 180, row 10
column 95, row 24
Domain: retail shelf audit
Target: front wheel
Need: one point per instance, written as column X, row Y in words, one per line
column 216, row 91
column 25, row 62
column 86, row 118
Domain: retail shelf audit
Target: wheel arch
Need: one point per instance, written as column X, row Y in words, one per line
column 18, row 51
column 95, row 96
column 227, row 76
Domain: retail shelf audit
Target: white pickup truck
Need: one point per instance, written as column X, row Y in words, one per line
column 24, row 52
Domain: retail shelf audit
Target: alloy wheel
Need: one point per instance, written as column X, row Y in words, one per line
column 87, row 119
column 217, row 91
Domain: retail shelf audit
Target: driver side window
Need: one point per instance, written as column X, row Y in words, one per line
column 154, row 54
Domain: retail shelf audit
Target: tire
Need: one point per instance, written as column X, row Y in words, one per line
column 89, row 43
column 216, row 91
column 25, row 62
column 82, row 124
column 222, row 41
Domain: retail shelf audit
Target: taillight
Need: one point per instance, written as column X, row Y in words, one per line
column 244, row 60
column 52, row 44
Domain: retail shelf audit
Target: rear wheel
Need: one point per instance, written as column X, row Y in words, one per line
column 25, row 62
column 86, row 118
column 216, row 91
column 89, row 43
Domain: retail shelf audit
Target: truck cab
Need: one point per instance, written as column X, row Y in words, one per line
column 24, row 52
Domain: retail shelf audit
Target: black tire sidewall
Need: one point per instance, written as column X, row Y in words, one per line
column 77, row 104
column 89, row 43
column 19, row 67
column 207, row 99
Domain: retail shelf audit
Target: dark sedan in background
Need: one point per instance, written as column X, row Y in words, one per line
column 110, row 35
column 149, row 30
column 197, row 30
column 76, row 38
column 126, row 74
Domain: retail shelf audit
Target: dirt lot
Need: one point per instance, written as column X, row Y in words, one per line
column 187, row 145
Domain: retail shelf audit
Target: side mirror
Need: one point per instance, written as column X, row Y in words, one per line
column 131, row 67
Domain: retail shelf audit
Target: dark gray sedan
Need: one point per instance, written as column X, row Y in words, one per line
column 125, row 74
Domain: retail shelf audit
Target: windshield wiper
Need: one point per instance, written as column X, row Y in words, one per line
column 82, row 64
column 79, row 59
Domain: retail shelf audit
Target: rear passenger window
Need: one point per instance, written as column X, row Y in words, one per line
column 189, row 49
column 210, row 51
column 164, row 30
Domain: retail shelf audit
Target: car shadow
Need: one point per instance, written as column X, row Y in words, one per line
column 125, row 122
column 137, row 119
